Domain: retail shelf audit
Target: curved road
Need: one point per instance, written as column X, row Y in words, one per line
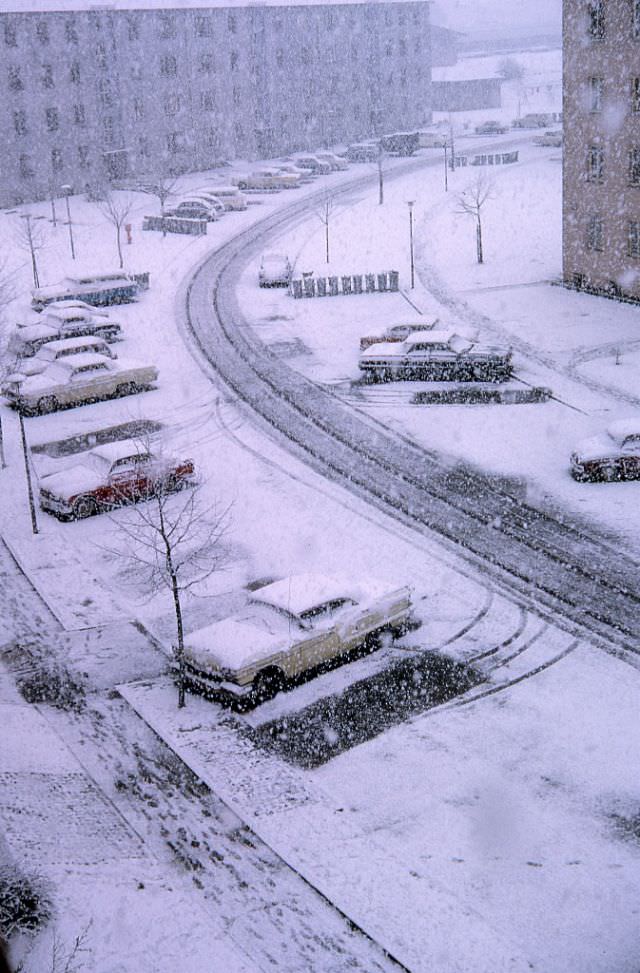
column 571, row 570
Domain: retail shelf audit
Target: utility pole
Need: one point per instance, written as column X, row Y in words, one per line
column 410, row 204
column 67, row 190
column 446, row 177
column 27, row 469
column 380, row 180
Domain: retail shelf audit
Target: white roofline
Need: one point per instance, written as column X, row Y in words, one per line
column 71, row 6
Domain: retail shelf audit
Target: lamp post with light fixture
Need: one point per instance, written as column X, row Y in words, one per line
column 410, row 204
column 68, row 191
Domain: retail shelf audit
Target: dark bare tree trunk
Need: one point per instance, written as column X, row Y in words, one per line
column 175, row 591
column 479, row 240
column 120, row 257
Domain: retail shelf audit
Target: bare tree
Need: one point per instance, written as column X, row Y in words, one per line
column 116, row 210
column 381, row 158
column 31, row 235
column 7, row 294
column 472, row 200
column 163, row 187
column 71, row 958
column 174, row 542
column 324, row 211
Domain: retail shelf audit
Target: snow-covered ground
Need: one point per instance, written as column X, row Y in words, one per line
column 501, row 834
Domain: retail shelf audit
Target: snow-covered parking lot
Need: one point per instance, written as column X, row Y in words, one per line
column 501, row 834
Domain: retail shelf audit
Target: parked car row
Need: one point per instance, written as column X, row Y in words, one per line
column 435, row 356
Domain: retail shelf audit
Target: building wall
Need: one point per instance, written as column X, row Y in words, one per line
column 601, row 207
column 96, row 94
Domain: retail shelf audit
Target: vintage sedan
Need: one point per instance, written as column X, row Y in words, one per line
column 436, row 356
column 614, row 455
column 396, row 332
column 54, row 350
column 62, row 323
column 78, row 379
column 109, row 476
column 275, row 270
column 288, row 628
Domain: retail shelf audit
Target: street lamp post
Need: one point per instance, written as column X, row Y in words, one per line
column 410, row 205
column 446, row 177
column 68, row 191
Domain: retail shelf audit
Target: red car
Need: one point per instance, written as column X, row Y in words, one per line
column 109, row 476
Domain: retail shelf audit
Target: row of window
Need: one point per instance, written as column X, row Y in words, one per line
column 167, row 23
column 597, row 19
column 595, row 235
column 596, row 94
column 596, row 165
column 26, row 169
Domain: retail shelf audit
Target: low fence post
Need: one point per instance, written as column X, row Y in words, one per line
column 296, row 288
column 357, row 283
column 346, row 285
column 394, row 280
column 321, row 286
column 333, row 286
column 369, row 283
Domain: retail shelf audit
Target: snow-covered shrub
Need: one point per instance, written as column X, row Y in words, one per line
column 25, row 904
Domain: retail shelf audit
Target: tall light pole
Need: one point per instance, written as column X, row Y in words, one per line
column 446, row 177
column 410, row 205
column 68, row 191
column 27, row 469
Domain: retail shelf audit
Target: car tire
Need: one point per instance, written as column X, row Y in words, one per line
column 84, row 507
column 609, row 473
column 267, row 684
column 128, row 388
column 48, row 403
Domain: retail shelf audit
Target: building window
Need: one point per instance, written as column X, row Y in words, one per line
column 53, row 121
column 207, row 64
column 175, row 142
column 70, row 32
column 203, row 26
column 596, row 89
column 136, row 72
column 42, row 31
column 633, row 238
column 280, row 57
column 56, row 160
column 106, row 97
column 10, row 37
column 207, row 101
column 107, row 130
column 237, row 97
column 74, row 72
column 402, row 47
column 78, row 115
column 26, row 168
column 83, row 156
column 15, row 81
column 168, row 66
column 635, row 94
column 133, row 27
column 47, row 76
column 595, row 233
column 20, row 122
column 636, row 18
column 595, row 164
column 231, row 23
column 388, row 50
column 167, row 26
column 172, row 105
column 596, row 21
column 143, row 146
column 634, row 166
column 138, row 109
column 234, row 60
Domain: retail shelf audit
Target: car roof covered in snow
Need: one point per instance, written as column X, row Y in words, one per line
column 300, row 592
column 429, row 337
column 623, row 428
column 119, row 450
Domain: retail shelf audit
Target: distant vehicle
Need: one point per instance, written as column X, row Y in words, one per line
column 268, row 180
column 397, row 332
column 53, row 350
column 320, row 166
column 275, row 270
column 210, row 197
column 432, row 140
column 335, row 161
column 109, row 476
column 549, row 139
column 401, row 143
column 491, row 128
column 230, row 196
column 61, row 323
column 291, row 627
column 101, row 289
column 306, row 175
column 363, row 152
column 76, row 380
column 436, row 356
column 534, row 120
column 614, row 455
column 77, row 306
column 196, row 209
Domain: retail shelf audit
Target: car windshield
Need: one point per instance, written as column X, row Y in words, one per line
column 459, row 344
column 326, row 610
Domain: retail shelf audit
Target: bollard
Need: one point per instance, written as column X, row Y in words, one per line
column 309, row 287
column 370, row 283
column 321, row 286
column 382, row 282
column 333, row 286
column 296, row 288
column 394, row 280
column 346, row 285
column 357, row 283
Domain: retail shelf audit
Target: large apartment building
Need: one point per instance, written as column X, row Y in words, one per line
column 601, row 206
column 95, row 91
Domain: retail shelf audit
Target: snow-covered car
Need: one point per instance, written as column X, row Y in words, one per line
column 61, row 323
column 231, row 197
column 76, row 380
column 436, row 356
column 317, row 165
column 113, row 287
column 109, row 476
column 288, row 628
column 335, row 161
column 396, row 332
column 196, row 209
column 275, row 270
column 363, row 152
column 77, row 306
column 305, row 175
column 613, row 455
column 549, row 139
column 267, row 180
column 491, row 128
column 54, row 350
column 432, row 140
